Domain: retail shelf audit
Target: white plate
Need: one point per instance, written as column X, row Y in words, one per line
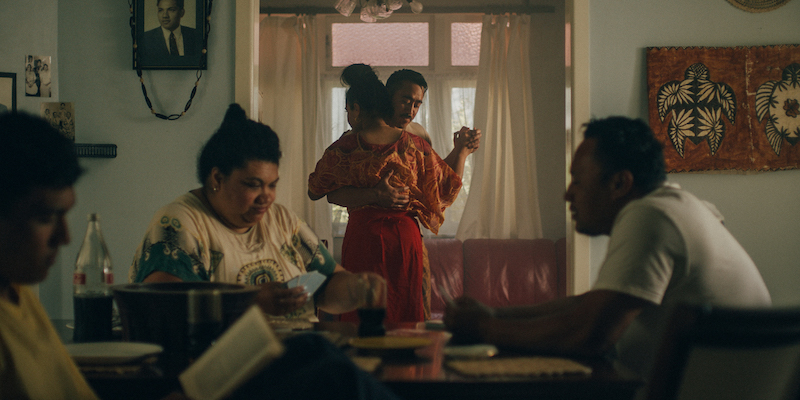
column 115, row 328
column 111, row 352
column 470, row 351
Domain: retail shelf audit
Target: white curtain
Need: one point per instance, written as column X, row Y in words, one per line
column 440, row 124
column 503, row 201
column 288, row 61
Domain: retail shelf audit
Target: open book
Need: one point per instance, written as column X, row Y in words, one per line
column 241, row 352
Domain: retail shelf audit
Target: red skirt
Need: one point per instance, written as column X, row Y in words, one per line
column 388, row 243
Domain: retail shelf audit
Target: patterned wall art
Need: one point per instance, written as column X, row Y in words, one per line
column 726, row 108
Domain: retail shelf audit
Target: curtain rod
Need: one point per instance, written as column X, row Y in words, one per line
column 530, row 9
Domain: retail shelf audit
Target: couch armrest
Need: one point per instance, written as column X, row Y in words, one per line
column 446, row 259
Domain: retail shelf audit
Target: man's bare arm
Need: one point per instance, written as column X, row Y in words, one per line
column 588, row 325
column 465, row 142
column 383, row 194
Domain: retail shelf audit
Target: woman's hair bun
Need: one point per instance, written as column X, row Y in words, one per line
column 358, row 73
column 234, row 116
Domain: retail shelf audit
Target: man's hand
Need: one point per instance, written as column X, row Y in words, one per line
column 464, row 318
column 388, row 196
column 275, row 299
column 467, row 140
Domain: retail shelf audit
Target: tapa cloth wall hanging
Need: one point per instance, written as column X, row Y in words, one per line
column 726, row 108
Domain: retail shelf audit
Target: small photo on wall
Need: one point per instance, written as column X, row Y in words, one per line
column 8, row 92
column 38, row 70
column 61, row 116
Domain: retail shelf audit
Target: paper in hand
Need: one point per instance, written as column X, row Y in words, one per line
column 312, row 281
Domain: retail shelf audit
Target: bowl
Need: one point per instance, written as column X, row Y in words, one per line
column 158, row 313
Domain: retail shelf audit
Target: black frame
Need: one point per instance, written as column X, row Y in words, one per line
column 13, row 94
column 147, row 56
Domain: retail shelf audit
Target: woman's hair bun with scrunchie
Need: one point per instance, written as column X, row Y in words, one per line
column 237, row 141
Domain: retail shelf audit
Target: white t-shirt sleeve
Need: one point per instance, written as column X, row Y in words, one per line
column 642, row 252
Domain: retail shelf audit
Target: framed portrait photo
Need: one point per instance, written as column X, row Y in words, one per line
column 170, row 34
column 8, row 92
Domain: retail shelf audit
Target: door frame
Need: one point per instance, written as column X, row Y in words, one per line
column 577, row 106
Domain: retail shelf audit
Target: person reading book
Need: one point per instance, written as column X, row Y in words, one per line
column 231, row 230
column 39, row 169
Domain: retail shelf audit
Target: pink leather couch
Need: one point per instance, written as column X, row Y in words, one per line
column 497, row 272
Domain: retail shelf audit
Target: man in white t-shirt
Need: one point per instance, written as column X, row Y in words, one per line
column 666, row 247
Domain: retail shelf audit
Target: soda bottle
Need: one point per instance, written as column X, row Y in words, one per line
column 204, row 320
column 92, row 297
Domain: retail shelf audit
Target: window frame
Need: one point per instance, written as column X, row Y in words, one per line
column 439, row 33
column 439, row 61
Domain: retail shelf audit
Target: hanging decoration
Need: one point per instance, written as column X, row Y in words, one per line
column 373, row 10
column 163, row 38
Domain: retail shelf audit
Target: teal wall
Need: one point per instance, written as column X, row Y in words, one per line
column 760, row 208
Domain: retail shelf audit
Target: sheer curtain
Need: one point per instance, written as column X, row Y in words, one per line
column 441, row 119
column 288, row 61
column 503, row 201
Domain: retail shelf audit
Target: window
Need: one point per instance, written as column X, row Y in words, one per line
column 385, row 44
column 410, row 41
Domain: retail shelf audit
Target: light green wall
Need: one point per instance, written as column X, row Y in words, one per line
column 760, row 209
column 91, row 48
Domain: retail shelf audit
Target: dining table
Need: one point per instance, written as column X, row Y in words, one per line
column 419, row 373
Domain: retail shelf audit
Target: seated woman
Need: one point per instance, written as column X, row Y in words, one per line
column 230, row 230
column 379, row 239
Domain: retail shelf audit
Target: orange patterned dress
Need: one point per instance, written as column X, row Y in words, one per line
column 380, row 240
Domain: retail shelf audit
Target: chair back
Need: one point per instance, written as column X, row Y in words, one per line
column 724, row 353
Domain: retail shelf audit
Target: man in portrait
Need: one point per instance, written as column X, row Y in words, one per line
column 171, row 43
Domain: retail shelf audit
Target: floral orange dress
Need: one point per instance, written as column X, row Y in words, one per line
column 386, row 241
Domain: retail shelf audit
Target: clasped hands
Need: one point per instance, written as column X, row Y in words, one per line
column 467, row 140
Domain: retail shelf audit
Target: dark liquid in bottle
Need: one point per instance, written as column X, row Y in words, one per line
column 371, row 321
column 92, row 318
column 201, row 336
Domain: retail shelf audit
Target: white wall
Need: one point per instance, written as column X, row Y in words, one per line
column 761, row 209
column 547, row 78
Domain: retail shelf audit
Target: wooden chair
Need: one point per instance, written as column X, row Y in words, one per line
column 723, row 353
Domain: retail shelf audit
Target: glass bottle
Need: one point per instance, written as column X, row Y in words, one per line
column 204, row 320
column 92, row 296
